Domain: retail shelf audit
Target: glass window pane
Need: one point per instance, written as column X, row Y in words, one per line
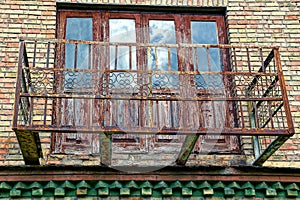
column 122, row 30
column 204, row 32
column 123, row 57
column 163, row 58
column 78, row 29
column 163, row 32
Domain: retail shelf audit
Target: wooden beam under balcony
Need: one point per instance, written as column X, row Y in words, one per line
column 105, row 148
column 30, row 145
column 268, row 152
column 186, row 149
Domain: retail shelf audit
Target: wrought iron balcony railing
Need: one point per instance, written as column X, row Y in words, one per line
column 115, row 88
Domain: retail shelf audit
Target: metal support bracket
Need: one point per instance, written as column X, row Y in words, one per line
column 270, row 150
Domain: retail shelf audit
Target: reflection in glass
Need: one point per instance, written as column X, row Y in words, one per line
column 163, row 58
column 122, row 57
column 164, row 65
column 78, row 29
column 74, row 110
column 205, row 60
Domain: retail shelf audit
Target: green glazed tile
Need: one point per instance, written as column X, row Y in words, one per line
column 208, row 191
column 124, row 191
column 35, row 185
column 229, row 192
column 167, row 191
column 59, row 192
column 147, row 191
column 37, row 192
column 292, row 193
column 51, row 184
column 234, row 185
column 278, row 185
column 101, row 184
column 187, row 192
column 83, row 184
column 103, row 191
column 191, row 184
column 4, row 185
column 68, row 184
column 262, row 185
column 271, row 192
column 248, row 185
column 249, row 192
column 131, row 184
column 146, row 184
column 161, row 184
column 220, row 184
column 292, row 186
column 205, row 184
column 20, row 185
column 176, row 184
column 115, row 184
column 15, row 193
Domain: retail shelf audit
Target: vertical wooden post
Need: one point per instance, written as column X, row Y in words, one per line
column 105, row 148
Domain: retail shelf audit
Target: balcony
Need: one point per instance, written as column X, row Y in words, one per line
column 217, row 90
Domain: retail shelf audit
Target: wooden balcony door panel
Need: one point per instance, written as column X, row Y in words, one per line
column 123, row 82
column 162, row 29
column 77, row 113
column 213, row 115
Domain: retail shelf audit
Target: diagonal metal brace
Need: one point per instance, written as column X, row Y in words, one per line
column 272, row 147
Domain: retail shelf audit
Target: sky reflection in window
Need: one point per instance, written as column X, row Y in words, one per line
column 122, row 30
column 162, row 32
column 78, row 29
column 162, row 58
column 206, row 33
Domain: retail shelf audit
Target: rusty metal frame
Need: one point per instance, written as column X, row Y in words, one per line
column 29, row 141
column 261, row 157
column 282, row 134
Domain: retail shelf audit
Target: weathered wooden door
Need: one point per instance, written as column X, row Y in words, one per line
column 77, row 78
column 127, row 70
column 208, row 62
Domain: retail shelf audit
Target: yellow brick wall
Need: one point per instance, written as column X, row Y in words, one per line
column 259, row 22
column 273, row 23
column 35, row 19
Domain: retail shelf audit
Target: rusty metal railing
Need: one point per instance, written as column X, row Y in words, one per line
column 84, row 86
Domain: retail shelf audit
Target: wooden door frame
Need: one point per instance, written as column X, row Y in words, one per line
column 99, row 35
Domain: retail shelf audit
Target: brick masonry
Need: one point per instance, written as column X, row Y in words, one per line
column 259, row 22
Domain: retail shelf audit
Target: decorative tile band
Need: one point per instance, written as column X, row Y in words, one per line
column 156, row 189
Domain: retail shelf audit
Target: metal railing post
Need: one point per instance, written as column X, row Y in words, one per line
column 283, row 92
column 18, row 85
